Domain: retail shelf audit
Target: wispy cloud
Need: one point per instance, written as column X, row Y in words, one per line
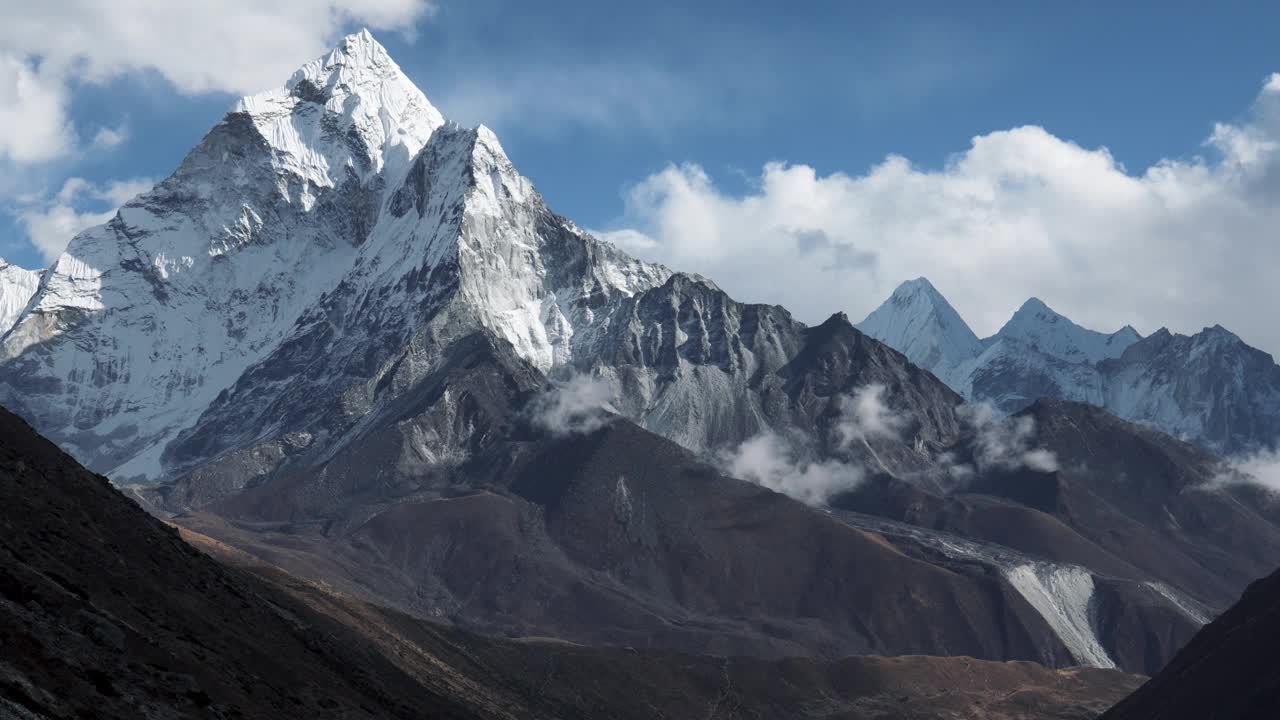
column 1261, row 469
column 866, row 415
column 1004, row 442
column 582, row 404
column 559, row 99
column 791, row 464
column 771, row 461
column 109, row 137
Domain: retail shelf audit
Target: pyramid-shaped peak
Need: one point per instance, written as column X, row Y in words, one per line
column 919, row 322
column 1036, row 305
column 358, row 53
column 918, row 286
column 351, row 107
column 924, row 297
column 363, row 48
column 359, row 65
column 1034, row 310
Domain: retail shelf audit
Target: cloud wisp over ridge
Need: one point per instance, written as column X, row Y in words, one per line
column 790, row 465
column 581, row 404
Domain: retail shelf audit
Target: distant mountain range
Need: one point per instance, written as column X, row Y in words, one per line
column 1210, row 388
column 347, row 338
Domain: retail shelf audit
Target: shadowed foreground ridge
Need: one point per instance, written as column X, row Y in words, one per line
column 106, row 612
column 1229, row 670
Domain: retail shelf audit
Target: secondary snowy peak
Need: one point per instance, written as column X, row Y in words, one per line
column 17, row 285
column 1040, row 328
column 919, row 322
column 528, row 275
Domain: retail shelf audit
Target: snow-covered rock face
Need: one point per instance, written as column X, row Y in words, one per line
column 1208, row 388
column 17, row 285
column 1042, row 329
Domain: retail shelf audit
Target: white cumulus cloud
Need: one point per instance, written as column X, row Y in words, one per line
column 33, row 112
column 1186, row 243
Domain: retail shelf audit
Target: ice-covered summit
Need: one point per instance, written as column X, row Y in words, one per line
column 351, row 110
column 919, row 322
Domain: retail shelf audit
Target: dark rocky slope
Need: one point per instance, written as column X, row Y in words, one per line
column 621, row 537
column 107, row 613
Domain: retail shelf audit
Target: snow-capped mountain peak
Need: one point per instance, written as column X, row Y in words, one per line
column 919, row 322
column 352, row 109
column 341, row 204
column 1040, row 327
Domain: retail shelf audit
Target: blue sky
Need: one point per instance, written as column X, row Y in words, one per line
column 592, row 100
